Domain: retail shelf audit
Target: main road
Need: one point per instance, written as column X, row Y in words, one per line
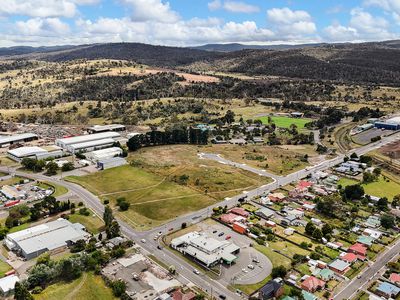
column 184, row 269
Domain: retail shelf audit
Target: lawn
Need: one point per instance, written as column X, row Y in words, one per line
column 87, row 287
column 59, row 190
column 92, row 223
column 11, row 181
column 276, row 258
column 381, row 188
column 4, row 268
column 285, row 122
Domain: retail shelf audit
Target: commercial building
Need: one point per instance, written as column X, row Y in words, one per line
column 90, row 142
column 52, row 236
column 102, row 154
column 6, row 141
column 105, row 128
column 19, row 154
column 390, row 124
column 7, row 284
column 206, row 250
column 109, row 163
column 13, row 193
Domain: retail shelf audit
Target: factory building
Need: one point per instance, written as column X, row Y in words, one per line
column 108, row 153
column 109, row 163
column 390, row 124
column 90, row 142
column 106, row 128
column 53, row 236
column 19, row 154
column 6, row 141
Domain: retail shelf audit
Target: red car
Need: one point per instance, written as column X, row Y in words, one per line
column 228, row 237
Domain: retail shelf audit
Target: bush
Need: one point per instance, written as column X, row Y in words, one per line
column 84, row 211
column 37, row 290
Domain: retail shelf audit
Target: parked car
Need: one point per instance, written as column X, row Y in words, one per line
column 195, row 271
column 228, row 237
column 221, row 234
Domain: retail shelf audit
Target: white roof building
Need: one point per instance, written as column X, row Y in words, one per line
column 50, row 236
column 105, row 128
column 97, row 155
column 33, row 152
column 7, row 283
column 17, row 138
column 88, row 141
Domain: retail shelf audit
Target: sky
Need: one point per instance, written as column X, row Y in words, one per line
column 196, row 22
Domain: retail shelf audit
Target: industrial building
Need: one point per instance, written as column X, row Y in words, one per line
column 19, row 154
column 390, row 124
column 13, row 193
column 7, row 284
column 98, row 155
column 6, row 141
column 90, row 142
column 53, row 236
column 206, row 250
column 105, row 128
column 109, row 163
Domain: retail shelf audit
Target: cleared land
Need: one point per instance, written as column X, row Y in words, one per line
column 286, row 122
column 381, row 188
column 165, row 182
column 92, row 223
column 271, row 158
column 88, row 286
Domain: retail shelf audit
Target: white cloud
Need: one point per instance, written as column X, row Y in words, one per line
column 339, row 33
column 389, row 6
column 233, row 6
column 42, row 27
column 291, row 22
column 152, row 10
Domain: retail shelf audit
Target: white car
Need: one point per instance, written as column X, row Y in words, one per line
column 143, row 240
column 245, row 271
column 195, row 271
column 251, row 267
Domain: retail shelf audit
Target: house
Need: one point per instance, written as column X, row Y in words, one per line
column 359, row 249
column 7, row 284
column 179, row 295
column 375, row 234
column 308, row 296
column 265, row 213
column 349, row 257
column 270, row 224
column 316, row 221
column 387, row 290
column 303, row 185
column 308, row 206
column 240, row 227
column 276, row 197
column 326, row 274
column 365, row 240
column 238, row 142
column 291, row 220
column 332, row 245
column 395, row 278
column 312, row 284
column 240, row 212
column 231, row 218
column 339, row 266
column 273, row 289
column 288, row 231
column 373, row 222
column 297, row 213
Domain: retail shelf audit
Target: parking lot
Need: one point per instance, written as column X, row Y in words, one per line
column 365, row 137
column 250, row 267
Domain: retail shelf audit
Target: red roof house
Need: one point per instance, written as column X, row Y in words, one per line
column 179, row 295
column 358, row 249
column 231, row 218
column 349, row 257
column 240, row 211
column 303, row 185
column 395, row 278
column 312, row 284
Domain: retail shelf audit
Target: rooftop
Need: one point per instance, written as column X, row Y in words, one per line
column 26, row 151
column 7, row 283
column 88, row 137
column 16, row 137
column 339, row 265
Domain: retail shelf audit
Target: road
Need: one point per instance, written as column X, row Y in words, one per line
column 184, row 269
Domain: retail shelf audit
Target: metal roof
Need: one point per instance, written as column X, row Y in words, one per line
column 16, row 137
column 87, row 138
column 26, row 151
column 91, row 144
column 8, row 283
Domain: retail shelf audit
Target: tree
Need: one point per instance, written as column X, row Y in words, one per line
column 396, row 201
column 317, row 234
column 21, row 292
column 387, row 221
column 310, row 227
column 326, row 229
column 118, row 287
column 113, row 230
column 51, row 168
column 279, row 271
column 108, row 215
column 354, row 155
column 69, row 166
column 354, row 192
column 382, row 204
column 229, row 117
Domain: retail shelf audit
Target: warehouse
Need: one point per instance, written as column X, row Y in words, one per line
column 52, row 236
column 109, row 163
column 6, row 141
column 19, row 154
column 88, row 142
column 105, row 128
column 390, row 124
column 206, row 250
column 98, row 155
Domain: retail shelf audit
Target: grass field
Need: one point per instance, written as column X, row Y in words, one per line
column 4, row 268
column 167, row 182
column 285, row 122
column 381, row 188
column 92, row 223
column 271, row 158
column 11, row 181
column 87, row 287
column 59, row 190
column 5, row 161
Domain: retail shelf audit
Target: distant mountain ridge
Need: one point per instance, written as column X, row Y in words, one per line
column 238, row 47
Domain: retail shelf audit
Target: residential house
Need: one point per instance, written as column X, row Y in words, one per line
column 276, row 197
column 316, row 221
column 240, row 227
column 359, row 249
column 297, row 213
column 394, row 278
column 373, row 222
column 303, row 185
column 308, row 296
column 308, row 206
column 365, row 240
column 351, row 257
column 265, row 213
column 325, row 274
column 291, row 220
column 312, row 284
column 231, row 218
column 179, row 295
column 339, row 266
column 273, row 289
column 240, row 212
column 375, row 234
column 387, row 290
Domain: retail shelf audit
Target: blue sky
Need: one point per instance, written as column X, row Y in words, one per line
column 196, row 22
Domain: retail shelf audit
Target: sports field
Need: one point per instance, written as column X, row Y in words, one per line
column 285, row 122
column 166, row 182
